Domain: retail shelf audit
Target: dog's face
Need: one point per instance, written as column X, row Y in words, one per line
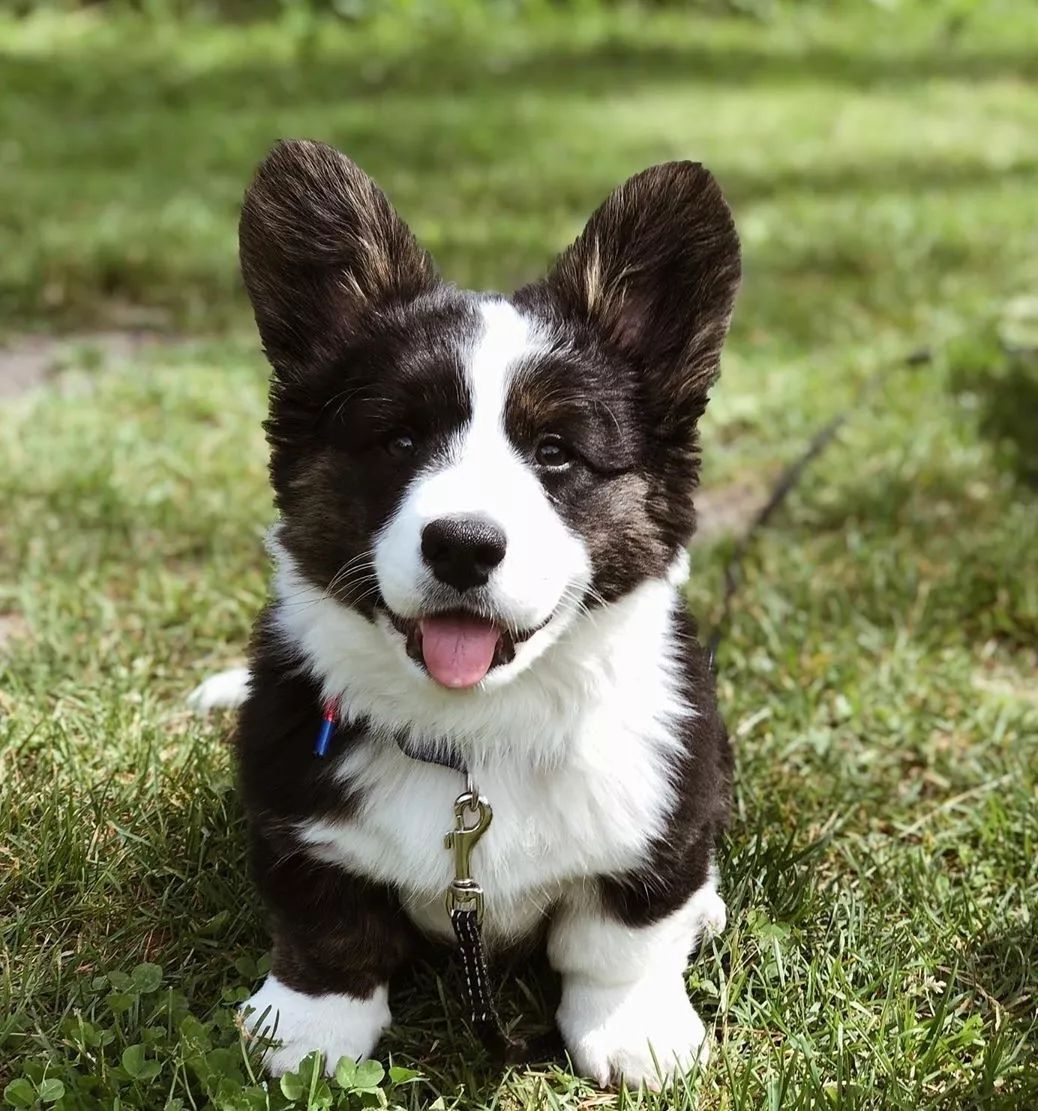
column 471, row 472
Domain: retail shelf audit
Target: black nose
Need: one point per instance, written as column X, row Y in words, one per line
column 462, row 551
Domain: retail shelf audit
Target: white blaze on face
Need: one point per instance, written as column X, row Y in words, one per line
column 483, row 475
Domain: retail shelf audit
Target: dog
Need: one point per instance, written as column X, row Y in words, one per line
column 484, row 506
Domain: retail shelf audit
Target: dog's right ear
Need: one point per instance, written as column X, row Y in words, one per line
column 321, row 246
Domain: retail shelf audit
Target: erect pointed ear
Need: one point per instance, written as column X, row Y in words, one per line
column 321, row 246
column 655, row 274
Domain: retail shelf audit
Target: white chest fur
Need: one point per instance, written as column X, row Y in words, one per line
column 591, row 815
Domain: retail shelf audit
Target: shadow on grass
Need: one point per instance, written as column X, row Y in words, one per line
column 1005, row 390
column 1005, row 966
column 437, row 60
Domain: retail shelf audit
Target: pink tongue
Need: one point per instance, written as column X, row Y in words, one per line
column 458, row 651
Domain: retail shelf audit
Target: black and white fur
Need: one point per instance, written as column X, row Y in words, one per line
column 563, row 419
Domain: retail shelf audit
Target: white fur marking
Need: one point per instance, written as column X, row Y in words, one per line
column 337, row 1025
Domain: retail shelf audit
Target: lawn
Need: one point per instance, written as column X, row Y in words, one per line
column 879, row 673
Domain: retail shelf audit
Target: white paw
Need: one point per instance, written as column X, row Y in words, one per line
column 642, row 1034
column 337, row 1025
column 224, row 690
column 712, row 914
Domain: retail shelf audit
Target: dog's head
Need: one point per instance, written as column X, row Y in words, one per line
column 468, row 471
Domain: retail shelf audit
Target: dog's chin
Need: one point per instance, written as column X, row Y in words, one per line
column 459, row 649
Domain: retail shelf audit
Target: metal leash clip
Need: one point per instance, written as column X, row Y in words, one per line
column 465, row 893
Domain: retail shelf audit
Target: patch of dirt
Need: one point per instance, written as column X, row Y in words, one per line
column 13, row 626
column 728, row 510
column 27, row 362
column 1013, row 683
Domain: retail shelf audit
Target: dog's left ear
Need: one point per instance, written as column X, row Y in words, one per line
column 655, row 274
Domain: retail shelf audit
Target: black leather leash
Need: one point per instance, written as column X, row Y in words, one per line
column 482, row 1010
column 465, row 907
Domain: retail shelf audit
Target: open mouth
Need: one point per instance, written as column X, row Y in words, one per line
column 458, row 649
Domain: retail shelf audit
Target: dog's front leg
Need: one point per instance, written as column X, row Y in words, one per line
column 625, row 1013
column 337, row 940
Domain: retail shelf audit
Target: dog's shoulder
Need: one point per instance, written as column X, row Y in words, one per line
column 280, row 779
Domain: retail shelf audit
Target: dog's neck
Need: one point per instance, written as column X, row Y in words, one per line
column 615, row 663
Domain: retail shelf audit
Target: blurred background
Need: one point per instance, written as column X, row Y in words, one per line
column 879, row 674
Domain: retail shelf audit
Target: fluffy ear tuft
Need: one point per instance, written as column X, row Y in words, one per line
column 321, row 246
column 655, row 273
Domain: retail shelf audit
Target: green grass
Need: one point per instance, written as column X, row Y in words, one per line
column 879, row 675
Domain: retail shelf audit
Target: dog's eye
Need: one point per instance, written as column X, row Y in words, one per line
column 552, row 452
column 400, row 444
